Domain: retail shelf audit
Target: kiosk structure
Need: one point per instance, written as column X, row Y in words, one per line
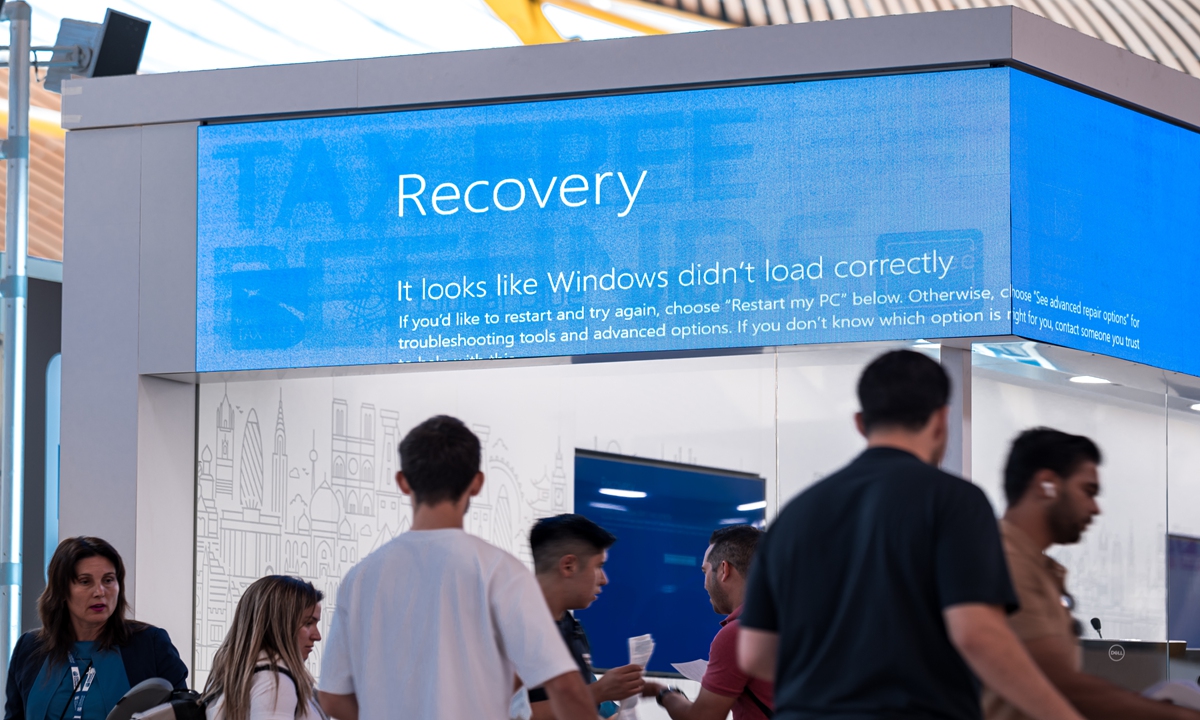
column 680, row 248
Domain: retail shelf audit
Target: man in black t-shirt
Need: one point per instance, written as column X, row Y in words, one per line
column 882, row 591
column 569, row 552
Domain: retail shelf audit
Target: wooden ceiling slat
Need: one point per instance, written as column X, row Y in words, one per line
column 1157, row 29
column 46, row 159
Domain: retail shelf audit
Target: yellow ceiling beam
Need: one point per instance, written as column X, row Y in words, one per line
column 39, row 123
column 694, row 17
column 526, row 20
column 608, row 17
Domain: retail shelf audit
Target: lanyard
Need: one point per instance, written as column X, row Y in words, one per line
column 80, row 691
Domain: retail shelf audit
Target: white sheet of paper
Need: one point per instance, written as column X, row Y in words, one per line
column 518, row 707
column 693, row 670
column 1179, row 692
column 640, row 650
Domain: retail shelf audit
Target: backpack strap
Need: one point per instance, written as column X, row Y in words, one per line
column 762, row 706
column 279, row 669
column 264, row 668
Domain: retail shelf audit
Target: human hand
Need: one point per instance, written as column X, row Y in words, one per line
column 652, row 689
column 618, row 684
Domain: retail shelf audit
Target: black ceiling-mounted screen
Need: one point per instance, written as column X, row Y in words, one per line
column 121, row 43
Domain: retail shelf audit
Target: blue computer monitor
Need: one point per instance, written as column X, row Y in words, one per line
column 1183, row 589
column 662, row 514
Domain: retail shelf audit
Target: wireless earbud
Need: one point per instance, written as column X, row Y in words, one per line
column 1049, row 490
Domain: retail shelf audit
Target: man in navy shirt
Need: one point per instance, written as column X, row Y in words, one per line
column 569, row 552
column 881, row 592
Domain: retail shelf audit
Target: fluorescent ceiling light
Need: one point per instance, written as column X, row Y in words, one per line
column 1196, row 407
column 752, row 506
column 608, row 506
column 622, row 493
column 734, row 521
column 1089, row 380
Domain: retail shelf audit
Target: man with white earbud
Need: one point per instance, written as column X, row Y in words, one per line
column 1051, row 481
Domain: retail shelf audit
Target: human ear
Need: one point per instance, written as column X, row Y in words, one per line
column 1045, row 485
column 476, row 484
column 941, row 422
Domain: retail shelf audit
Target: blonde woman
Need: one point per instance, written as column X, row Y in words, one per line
column 258, row 673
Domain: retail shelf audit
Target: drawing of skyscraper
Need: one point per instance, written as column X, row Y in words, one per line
column 502, row 528
column 275, row 495
column 250, row 476
column 224, row 475
column 558, row 484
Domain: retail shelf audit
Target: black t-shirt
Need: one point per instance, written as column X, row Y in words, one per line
column 853, row 576
column 577, row 642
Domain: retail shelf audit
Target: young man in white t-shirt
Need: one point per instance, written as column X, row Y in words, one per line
column 435, row 624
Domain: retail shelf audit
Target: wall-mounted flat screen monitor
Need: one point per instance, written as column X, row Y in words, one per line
column 662, row 514
column 1183, row 589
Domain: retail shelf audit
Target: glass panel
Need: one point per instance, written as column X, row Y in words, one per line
column 817, row 402
column 53, row 437
column 1183, row 543
column 1117, row 573
column 297, row 475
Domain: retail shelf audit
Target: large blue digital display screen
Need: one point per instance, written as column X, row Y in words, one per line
column 833, row 211
column 1106, row 227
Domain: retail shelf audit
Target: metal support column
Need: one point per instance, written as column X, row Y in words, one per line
column 957, row 363
column 13, row 287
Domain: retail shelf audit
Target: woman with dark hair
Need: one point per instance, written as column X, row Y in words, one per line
column 87, row 654
column 258, row 673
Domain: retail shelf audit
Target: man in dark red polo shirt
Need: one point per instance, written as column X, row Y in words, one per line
column 724, row 687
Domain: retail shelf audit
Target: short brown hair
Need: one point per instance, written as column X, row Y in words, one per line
column 439, row 458
column 735, row 545
column 553, row 538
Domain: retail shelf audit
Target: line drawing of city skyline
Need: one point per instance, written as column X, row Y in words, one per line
column 1117, row 573
column 311, row 497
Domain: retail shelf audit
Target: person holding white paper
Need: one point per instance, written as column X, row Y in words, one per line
column 724, row 687
column 569, row 552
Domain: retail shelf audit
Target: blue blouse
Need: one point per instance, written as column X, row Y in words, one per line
column 50, row 696
column 146, row 653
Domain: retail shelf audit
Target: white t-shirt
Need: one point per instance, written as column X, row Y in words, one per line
column 434, row 624
column 272, row 697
